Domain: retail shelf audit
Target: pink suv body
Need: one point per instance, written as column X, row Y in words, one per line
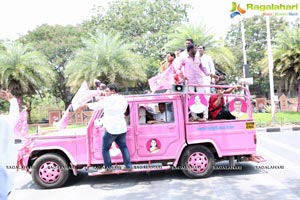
column 192, row 146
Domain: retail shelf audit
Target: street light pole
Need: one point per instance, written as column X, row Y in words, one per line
column 244, row 50
column 270, row 61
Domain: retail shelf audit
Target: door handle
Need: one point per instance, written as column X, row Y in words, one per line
column 171, row 126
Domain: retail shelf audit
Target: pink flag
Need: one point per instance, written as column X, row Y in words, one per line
column 83, row 95
column 21, row 129
column 63, row 122
column 162, row 81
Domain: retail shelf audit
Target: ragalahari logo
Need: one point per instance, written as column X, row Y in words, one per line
column 236, row 10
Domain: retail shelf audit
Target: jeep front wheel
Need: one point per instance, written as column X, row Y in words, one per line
column 50, row 171
column 197, row 162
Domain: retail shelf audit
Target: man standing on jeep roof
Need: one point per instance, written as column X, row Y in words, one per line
column 114, row 107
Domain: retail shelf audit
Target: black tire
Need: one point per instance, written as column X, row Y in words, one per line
column 50, row 171
column 197, row 162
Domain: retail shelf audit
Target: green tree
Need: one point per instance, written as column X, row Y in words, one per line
column 199, row 33
column 108, row 59
column 255, row 38
column 58, row 43
column 23, row 70
column 286, row 55
column 2, row 47
column 146, row 24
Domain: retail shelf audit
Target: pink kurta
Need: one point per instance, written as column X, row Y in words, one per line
column 194, row 71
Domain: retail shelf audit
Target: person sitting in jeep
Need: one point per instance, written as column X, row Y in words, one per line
column 164, row 115
column 217, row 109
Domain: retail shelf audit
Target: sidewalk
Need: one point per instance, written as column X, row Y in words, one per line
column 289, row 128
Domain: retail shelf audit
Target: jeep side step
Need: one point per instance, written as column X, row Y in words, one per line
column 135, row 168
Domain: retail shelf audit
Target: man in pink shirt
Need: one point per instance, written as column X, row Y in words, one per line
column 195, row 72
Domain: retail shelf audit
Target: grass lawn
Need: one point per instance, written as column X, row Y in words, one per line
column 33, row 129
column 281, row 118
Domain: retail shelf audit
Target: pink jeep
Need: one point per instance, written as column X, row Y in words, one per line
column 181, row 141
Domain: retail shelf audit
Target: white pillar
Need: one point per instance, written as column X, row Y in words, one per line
column 244, row 50
column 270, row 61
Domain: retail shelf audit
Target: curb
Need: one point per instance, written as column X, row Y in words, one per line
column 279, row 129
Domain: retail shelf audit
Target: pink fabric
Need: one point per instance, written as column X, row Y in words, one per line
column 21, row 128
column 83, row 95
column 162, row 81
column 63, row 122
column 193, row 70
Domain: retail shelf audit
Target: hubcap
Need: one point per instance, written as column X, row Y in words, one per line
column 198, row 162
column 49, row 172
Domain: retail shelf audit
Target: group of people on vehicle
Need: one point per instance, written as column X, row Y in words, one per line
column 193, row 67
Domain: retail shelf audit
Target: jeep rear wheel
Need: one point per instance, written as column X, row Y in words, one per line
column 50, row 171
column 197, row 162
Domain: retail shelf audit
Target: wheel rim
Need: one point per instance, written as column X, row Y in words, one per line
column 198, row 162
column 49, row 172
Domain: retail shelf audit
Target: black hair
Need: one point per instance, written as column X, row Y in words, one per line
column 202, row 46
column 153, row 139
column 189, row 47
column 221, row 82
column 190, row 39
column 221, row 74
column 112, row 87
column 161, row 103
column 172, row 54
column 180, row 49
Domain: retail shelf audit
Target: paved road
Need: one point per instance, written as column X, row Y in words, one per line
column 253, row 181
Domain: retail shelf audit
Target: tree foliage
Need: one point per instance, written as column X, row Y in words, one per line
column 256, row 44
column 108, row 59
column 199, row 33
column 146, row 24
column 286, row 55
column 23, row 70
column 58, row 43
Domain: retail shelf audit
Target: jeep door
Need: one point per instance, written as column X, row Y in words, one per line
column 157, row 137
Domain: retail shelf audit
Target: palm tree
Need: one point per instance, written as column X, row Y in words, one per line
column 222, row 56
column 108, row 59
column 224, row 60
column 287, row 57
column 198, row 33
column 23, row 70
